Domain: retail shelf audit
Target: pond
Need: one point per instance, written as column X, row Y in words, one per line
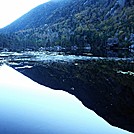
column 29, row 108
column 104, row 85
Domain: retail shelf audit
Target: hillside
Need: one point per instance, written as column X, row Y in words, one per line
column 73, row 24
column 8, row 43
column 35, row 18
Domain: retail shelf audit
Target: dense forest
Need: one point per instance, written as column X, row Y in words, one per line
column 73, row 24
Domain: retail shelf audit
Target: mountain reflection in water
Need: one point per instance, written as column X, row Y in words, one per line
column 32, row 57
column 29, row 108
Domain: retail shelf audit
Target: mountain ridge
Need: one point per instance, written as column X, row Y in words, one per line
column 72, row 24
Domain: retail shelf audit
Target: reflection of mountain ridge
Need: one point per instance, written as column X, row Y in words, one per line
column 27, row 107
column 95, row 83
column 99, row 82
column 29, row 58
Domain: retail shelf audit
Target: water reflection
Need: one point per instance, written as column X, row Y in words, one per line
column 29, row 58
column 118, row 53
column 29, row 108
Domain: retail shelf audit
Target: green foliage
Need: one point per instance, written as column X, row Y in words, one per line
column 75, row 23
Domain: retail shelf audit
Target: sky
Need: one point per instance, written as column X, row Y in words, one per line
column 10, row 10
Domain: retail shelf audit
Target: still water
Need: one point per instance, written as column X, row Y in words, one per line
column 29, row 108
column 29, row 58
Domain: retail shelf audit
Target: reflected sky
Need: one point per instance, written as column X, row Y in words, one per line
column 29, row 108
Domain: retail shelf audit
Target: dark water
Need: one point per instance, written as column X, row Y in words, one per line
column 102, row 84
column 118, row 53
column 29, row 108
column 31, row 57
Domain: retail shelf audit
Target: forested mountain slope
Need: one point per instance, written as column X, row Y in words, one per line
column 35, row 18
column 98, row 24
